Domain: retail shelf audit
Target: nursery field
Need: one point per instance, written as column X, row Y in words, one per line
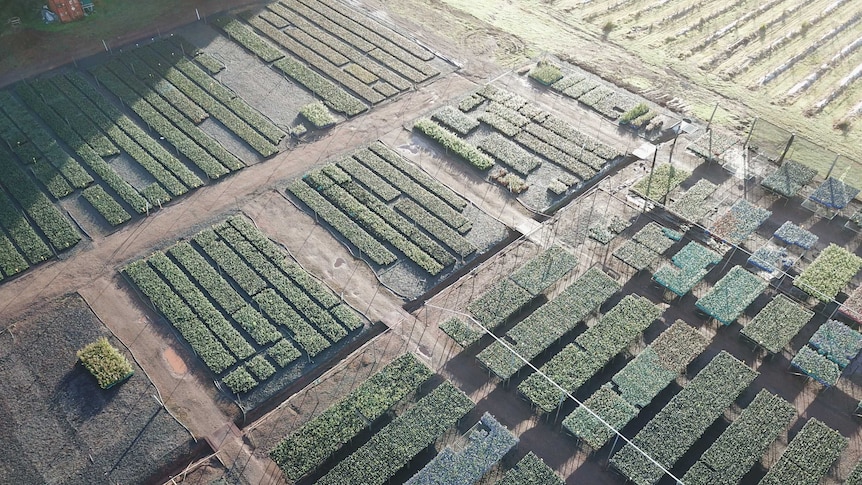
column 348, row 243
column 659, row 61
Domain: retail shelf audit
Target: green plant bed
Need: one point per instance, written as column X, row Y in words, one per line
column 317, row 114
column 106, row 363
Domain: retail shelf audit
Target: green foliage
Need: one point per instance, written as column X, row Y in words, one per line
column 684, row 419
column 789, row 179
column 105, row 362
column 106, row 205
column 391, row 448
column 283, row 353
column 510, row 154
column 612, row 408
column 544, row 270
column 201, row 339
column 731, row 295
column 531, row 470
column 745, row 441
column 829, row 273
column 334, row 97
column 311, row 444
column 776, row 325
column 462, row 333
column 455, row 120
column 546, row 72
column 660, row 181
column 239, row 380
column 639, row 110
column 317, row 114
column 548, row 323
column 357, row 236
column 808, row 456
column 500, row 302
column 816, row 366
column 451, row 142
column 248, row 39
column 21, row 232
column 429, row 194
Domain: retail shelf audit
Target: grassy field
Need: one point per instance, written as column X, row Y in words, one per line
column 710, row 45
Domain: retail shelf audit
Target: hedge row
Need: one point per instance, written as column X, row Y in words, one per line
column 430, row 201
column 202, row 341
column 309, row 446
column 556, row 156
column 510, row 154
column 27, row 152
column 248, row 39
column 280, row 312
column 112, row 211
column 188, row 139
column 165, row 158
column 369, row 179
column 207, row 277
column 229, row 262
column 374, row 224
column 20, row 231
column 314, row 288
column 401, row 224
column 59, row 231
column 162, row 175
column 334, row 97
column 375, row 462
column 397, row 58
column 455, row 120
column 11, row 261
column 344, row 225
column 384, row 33
column 451, row 142
column 236, row 104
column 418, row 175
column 318, row 62
column 499, row 123
column 577, row 152
column 443, row 233
column 201, row 305
column 347, row 47
column 87, row 154
column 308, row 308
column 169, row 69
column 75, row 118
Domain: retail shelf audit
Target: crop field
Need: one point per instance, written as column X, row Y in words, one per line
column 339, row 243
column 257, row 320
column 412, row 229
column 533, row 153
column 622, row 312
column 60, row 426
column 801, row 54
column 128, row 135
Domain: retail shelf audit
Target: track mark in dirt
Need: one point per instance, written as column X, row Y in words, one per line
column 175, row 362
column 505, row 47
